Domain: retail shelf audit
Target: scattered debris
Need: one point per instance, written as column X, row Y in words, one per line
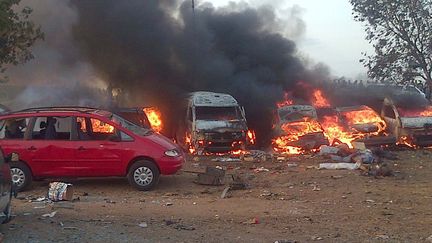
column 212, row 176
column 261, row 169
column 292, row 164
column 256, row 155
column 251, row 221
column 316, row 238
column 316, row 188
column 225, row 192
column 383, row 237
column 429, row 239
column 70, row 228
column 60, row 191
column 226, row 159
column 50, row 215
column 339, row 166
column 169, row 204
column 143, row 225
column 183, row 227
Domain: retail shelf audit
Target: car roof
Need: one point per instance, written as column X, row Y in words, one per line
column 62, row 109
column 204, row 98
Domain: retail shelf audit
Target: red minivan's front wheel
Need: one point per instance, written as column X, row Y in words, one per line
column 143, row 175
column 21, row 175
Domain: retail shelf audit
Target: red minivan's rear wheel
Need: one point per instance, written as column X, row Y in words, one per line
column 21, row 175
column 143, row 175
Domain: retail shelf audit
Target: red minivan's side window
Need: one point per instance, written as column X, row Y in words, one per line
column 52, row 128
column 13, row 128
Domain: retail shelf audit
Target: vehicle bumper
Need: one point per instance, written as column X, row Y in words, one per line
column 170, row 165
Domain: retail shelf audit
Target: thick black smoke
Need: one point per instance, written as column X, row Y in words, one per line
column 157, row 51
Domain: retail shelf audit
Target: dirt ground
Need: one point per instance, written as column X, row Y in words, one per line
column 288, row 203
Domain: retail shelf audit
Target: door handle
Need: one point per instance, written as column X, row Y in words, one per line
column 32, row 148
column 81, row 148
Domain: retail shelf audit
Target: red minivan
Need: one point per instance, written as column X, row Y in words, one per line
column 85, row 142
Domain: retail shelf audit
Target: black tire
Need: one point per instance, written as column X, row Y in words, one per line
column 143, row 175
column 21, row 176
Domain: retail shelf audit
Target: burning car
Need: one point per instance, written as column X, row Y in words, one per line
column 409, row 125
column 215, row 123
column 297, row 129
column 135, row 115
column 353, row 124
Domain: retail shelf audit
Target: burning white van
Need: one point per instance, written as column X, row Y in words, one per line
column 215, row 123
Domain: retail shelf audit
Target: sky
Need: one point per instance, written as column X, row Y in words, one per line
column 331, row 35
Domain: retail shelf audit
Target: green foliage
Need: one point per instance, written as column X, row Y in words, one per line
column 17, row 34
column 401, row 33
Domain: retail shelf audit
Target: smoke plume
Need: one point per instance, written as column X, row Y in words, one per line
column 157, row 51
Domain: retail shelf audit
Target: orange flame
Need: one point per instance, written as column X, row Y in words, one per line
column 154, row 117
column 336, row 132
column 364, row 116
column 293, row 131
column 251, row 136
column 285, row 102
column 188, row 141
column 99, row 126
column 427, row 111
column 318, row 99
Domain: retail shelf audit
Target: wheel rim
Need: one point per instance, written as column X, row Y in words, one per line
column 143, row 176
column 18, row 177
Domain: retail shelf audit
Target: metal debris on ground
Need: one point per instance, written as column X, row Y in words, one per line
column 212, row 176
column 226, row 159
column 257, row 155
column 225, row 192
column 50, row 215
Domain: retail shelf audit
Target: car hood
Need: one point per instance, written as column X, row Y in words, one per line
column 220, row 126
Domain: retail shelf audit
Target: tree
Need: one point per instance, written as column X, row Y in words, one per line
column 401, row 33
column 17, row 34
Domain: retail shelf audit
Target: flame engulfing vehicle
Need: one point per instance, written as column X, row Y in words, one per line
column 214, row 123
column 297, row 129
column 354, row 124
column 410, row 124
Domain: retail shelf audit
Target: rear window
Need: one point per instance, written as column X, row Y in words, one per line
column 13, row 128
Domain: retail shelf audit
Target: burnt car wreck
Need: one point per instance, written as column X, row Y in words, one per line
column 297, row 129
column 365, row 125
column 214, row 123
column 410, row 126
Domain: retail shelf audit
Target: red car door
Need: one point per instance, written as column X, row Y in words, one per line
column 96, row 153
column 13, row 137
column 51, row 148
